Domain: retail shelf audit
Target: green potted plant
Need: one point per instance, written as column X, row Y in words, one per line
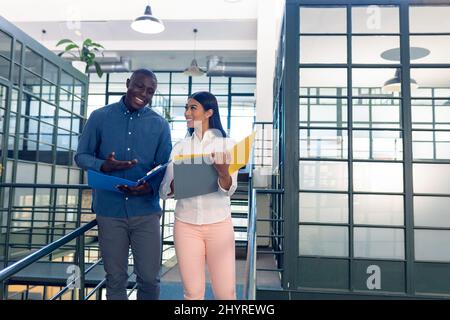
column 84, row 55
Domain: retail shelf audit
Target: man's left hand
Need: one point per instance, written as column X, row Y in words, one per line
column 142, row 189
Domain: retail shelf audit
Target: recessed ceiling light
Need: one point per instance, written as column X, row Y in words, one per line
column 414, row 53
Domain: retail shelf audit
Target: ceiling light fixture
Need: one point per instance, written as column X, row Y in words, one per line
column 194, row 70
column 395, row 84
column 147, row 23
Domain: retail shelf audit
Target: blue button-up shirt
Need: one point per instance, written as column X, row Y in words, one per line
column 143, row 135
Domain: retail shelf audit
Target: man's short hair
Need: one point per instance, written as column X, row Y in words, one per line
column 145, row 72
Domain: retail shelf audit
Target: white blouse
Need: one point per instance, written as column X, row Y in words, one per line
column 208, row 208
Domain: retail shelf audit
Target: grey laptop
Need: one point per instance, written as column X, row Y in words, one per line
column 192, row 180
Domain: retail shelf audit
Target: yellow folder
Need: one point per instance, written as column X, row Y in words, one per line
column 240, row 154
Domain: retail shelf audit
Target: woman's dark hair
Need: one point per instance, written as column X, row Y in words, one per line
column 209, row 101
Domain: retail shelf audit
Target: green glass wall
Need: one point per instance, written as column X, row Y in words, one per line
column 368, row 212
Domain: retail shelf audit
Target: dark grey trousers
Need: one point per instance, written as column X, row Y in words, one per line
column 142, row 233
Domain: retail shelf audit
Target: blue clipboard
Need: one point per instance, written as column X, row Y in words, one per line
column 98, row 180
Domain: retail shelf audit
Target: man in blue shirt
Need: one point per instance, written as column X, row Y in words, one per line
column 126, row 139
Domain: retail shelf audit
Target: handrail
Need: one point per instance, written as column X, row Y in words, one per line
column 25, row 262
column 250, row 267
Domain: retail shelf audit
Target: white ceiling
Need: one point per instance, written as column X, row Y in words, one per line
column 224, row 28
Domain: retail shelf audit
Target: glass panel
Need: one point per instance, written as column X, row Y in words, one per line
column 74, row 176
column 5, row 45
column 18, row 52
column 31, row 83
column 2, row 117
column 431, row 178
column 375, row 19
column 323, row 208
column 323, row 144
column 76, row 124
column 323, row 241
column 377, row 209
column 61, row 175
column 77, row 105
column 12, row 123
column 370, row 81
column 431, row 145
column 46, row 133
column 430, row 82
column 432, row 245
column 437, row 46
column 50, row 72
column 323, row 49
column 16, row 75
column 65, row 100
column 119, row 77
column 74, row 142
column 323, row 78
column 219, row 88
column 64, row 119
column 323, row 175
column 27, row 150
column 29, row 128
column 9, row 168
column 323, row 112
column 5, row 66
column 377, row 145
column 429, row 19
column 180, row 88
column 323, row 20
column 66, row 81
column 430, row 114
column 239, row 88
column 432, row 212
column 44, row 174
column 4, row 95
column 33, row 61
column 378, row 177
column 45, row 153
column 48, row 91
column 379, row 243
column 79, row 88
column 374, row 49
column 163, row 77
column 25, row 172
column 242, row 116
column 42, row 198
column 63, row 138
column 47, row 112
column 23, row 197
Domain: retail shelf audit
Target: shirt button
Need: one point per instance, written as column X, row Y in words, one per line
column 131, row 118
column 129, row 132
column 126, row 198
column 128, row 149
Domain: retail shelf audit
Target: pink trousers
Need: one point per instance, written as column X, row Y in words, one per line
column 211, row 245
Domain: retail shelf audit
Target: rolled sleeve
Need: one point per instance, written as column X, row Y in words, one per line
column 233, row 186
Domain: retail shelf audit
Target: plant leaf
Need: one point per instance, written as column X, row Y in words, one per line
column 60, row 42
column 87, row 42
column 98, row 69
column 71, row 46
